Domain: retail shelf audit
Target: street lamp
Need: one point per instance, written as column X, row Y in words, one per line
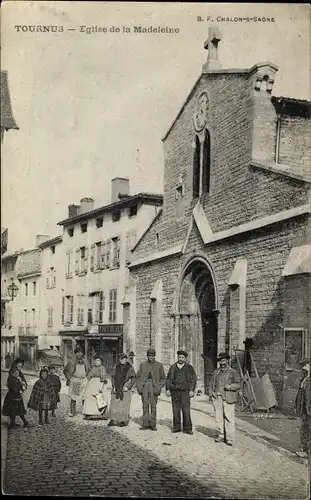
column 12, row 290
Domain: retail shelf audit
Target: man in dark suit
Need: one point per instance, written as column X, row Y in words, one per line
column 150, row 379
column 223, row 389
column 303, row 408
column 181, row 382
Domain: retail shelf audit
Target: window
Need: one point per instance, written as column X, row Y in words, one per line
column 206, row 167
column 34, row 287
column 50, row 316
column 67, row 309
column 108, row 252
column 157, row 240
column 80, row 318
column 179, row 196
column 26, row 289
column 83, row 260
column 25, row 317
column 53, row 276
column 99, row 222
column 196, row 168
column 33, row 317
column 98, row 255
column 116, row 215
column 63, row 310
column 133, row 211
column 116, row 252
column 83, row 226
column 53, row 249
column 71, row 232
column 103, row 254
column 69, row 264
column 8, row 316
column 113, row 305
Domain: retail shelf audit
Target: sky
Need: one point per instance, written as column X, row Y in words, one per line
column 85, row 103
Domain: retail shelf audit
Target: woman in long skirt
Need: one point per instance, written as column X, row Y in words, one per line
column 122, row 380
column 95, row 386
column 13, row 405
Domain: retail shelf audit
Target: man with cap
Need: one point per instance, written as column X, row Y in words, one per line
column 225, row 383
column 181, row 382
column 303, row 408
column 149, row 382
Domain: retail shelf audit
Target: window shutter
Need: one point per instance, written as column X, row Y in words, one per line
column 86, row 259
column 47, row 282
column 51, row 316
column 70, row 261
column 101, row 306
column 63, row 310
column 77, row 262
column 82, row 315
column 92, row 266
column 108, row 253
column 71, row 309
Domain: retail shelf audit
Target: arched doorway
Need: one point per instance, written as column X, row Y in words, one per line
column 197, row 319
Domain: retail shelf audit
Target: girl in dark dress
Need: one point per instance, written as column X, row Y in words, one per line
column 55, row 382
column 19, row 364
column 42, row 398
column 13, row 405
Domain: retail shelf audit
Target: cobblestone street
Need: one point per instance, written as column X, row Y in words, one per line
column 82, row 458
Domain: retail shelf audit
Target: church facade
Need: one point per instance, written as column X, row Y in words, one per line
column 228, row 256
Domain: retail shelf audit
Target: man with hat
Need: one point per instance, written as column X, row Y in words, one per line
column 225, row 383
column 303, row 408
column 181, row 382
column 149, row 382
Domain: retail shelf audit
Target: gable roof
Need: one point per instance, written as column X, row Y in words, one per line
column 7, row 119
column 147, row 198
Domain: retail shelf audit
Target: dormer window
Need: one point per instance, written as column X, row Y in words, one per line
column 53, row 249
column 71, row 232
column 132, row 211
column 99, row 222
column 83, row 226
column 116, row 215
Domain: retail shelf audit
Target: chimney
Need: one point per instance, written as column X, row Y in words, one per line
column 120, row 188
column 87, row 204
column 73, row 210
column 40, row 238
column 211, row 44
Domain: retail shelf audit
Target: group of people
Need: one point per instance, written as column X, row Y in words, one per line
column 44, row 396
column 88, row 384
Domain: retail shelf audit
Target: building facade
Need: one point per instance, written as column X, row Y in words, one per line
column 96, row 245
column 52, row 286
column 228, row 257
column 9, row 317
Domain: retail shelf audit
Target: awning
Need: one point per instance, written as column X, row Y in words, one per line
column 239, row 272
column 299, row 261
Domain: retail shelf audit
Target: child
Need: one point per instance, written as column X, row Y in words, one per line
column 43, row 397
column 13, row 404
column 56, row 385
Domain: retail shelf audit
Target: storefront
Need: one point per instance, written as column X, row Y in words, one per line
column 104, row 340
column 27, row 350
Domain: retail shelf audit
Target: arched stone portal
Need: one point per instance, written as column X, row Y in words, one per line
column 196, row 319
